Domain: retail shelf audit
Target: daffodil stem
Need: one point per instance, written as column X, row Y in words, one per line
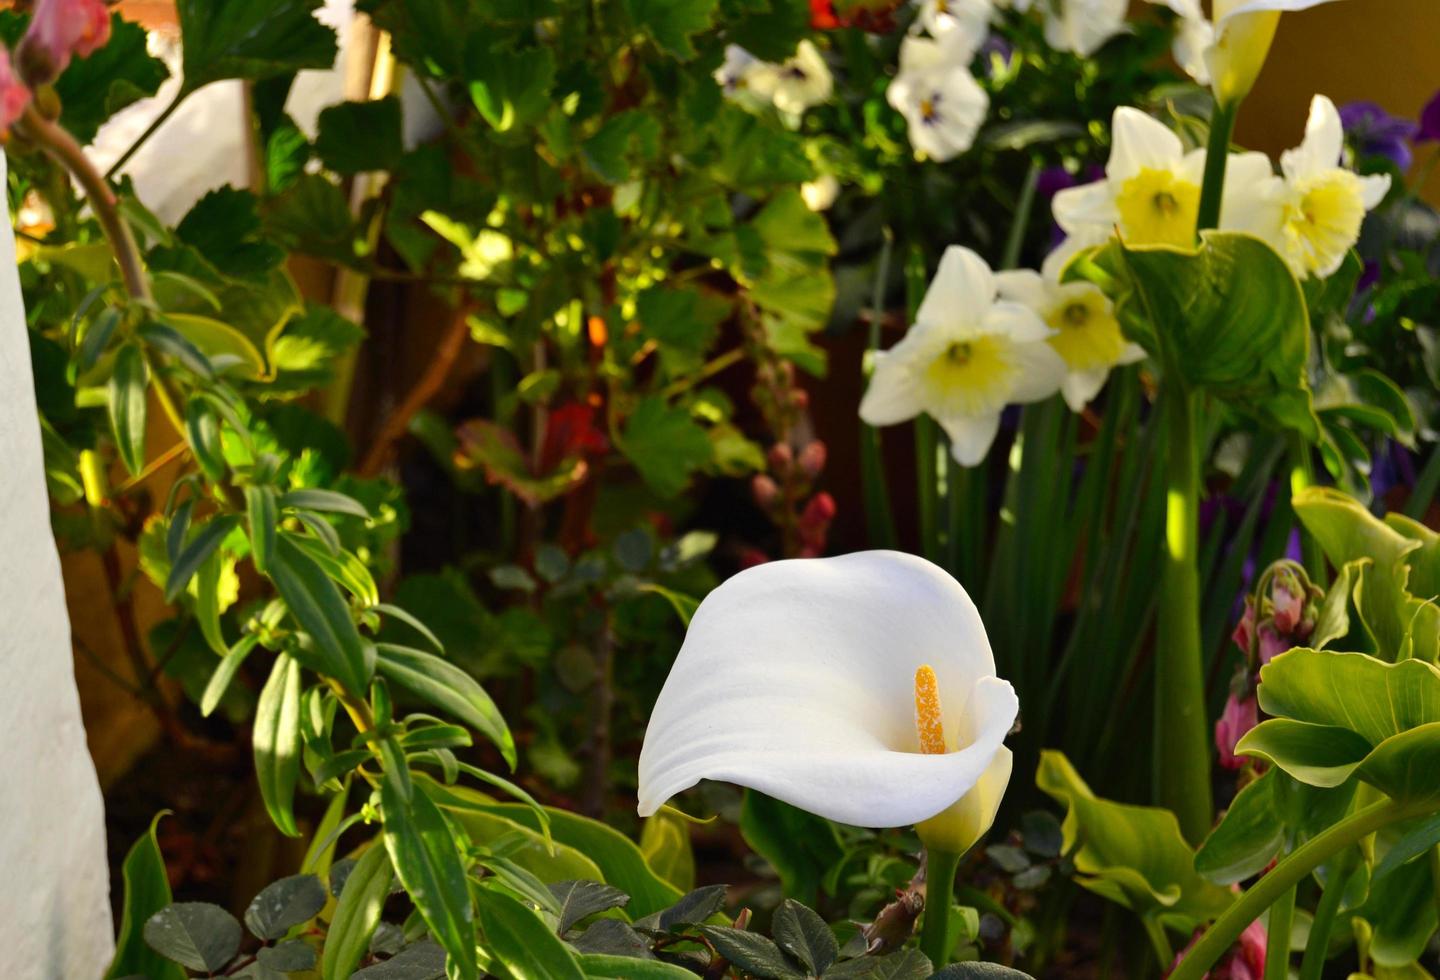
column 879, row 521
column 1212, row 190
column 927, row 475
column 1283, row 878
column 1277, row 940
column 935, row 940
column 1182, row 753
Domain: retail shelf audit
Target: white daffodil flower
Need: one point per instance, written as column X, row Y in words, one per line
column 1086, row 334
column 939, row 98
column 1151, row 190
column 860, row 688
column 1312, row 215
column 802, row 81
column 1228, row 49
column 965, row 358
column 939, row 18
column 1083, row 26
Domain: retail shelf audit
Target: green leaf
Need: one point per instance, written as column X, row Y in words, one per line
column 613, row 939
column 277, row 743
column 362, row 899
column 324, row 500
column 624, row 144
column 903, row 964
column 344, row 567
column 1401, row 909
column 225, row 673
column 692, row 908
column 1228, row 316
column 147, row 891
column 284, row 904
column 127, row 403
column 112, row 77
column 395, row 612
column 1132, row 855
column 196, row 935
column 426, row 860
column 224, row 227
column 1372, row 698
column 202, row 544
column 96, row 339
column 1319, row 755
column 801, row 847
column 251, row 39
column 448, row 687
column 418, row 961
column 321, row 612
column 671, row 23
column 602, row 966
column 293, row 956
column 979, row 971
column 799, row 931
column 578, row 898
column 517, row 937
column 512, row 88
column 355, row 137
column 261, row 510
column 665, row 445
column 752, row 953
column 1247, row 838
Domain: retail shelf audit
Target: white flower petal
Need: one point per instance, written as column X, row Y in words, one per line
column 1323, row 145
column 1375, row 189
column 1081, row 387
column 1016, row 321
column 1086, row 210
column 1227, row 11
column 892, row 396
column 1140, row 143
column 1041, row 372
column 970, row 436
column 962, row 290
column 796, row 679
column 1024, row 286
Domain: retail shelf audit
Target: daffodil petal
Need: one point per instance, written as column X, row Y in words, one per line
column 1086, row 212
column 892, row 396
column 962, row 290
column 1080, row 387
column 1041, row 371
column 1323, row 144
column 970, row 436
column 796, row 679
column 1140, row 143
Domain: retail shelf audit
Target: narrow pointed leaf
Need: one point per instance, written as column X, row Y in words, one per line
column 441, row 683
column 321, row 612
column 357, row 914
column 277, row 742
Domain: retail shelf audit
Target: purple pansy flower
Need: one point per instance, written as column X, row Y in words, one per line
column 1430, row 121
column 1377, row 133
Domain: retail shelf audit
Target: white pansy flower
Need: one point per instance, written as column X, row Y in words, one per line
column 939, row 98
column 1151, row 189
column 1083, row 26
column 1312, row 215
column 965, row 358
column 802, row 81
column 734, row 73
column 971, row 18
column 1086, row 333
column 860, row 688
column 820, row 193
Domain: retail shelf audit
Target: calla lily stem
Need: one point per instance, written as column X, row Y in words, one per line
column 1283, row 878
column 1277, row 942
column 1217, row 157
column 935, row 938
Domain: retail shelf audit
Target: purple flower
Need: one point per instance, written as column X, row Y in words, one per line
column 1430, row 121
column 1377, row 133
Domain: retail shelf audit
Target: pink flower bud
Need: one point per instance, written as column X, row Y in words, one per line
column 1244, row 633
column 812, row 458
column 820, row 510
column 1288, row 596
column 14, row 96
column 780, row 457
column 750, row 557
column 1272, row 644
column 800, row 398
column 1240, row 715
column 764, row 490
column 59, row 30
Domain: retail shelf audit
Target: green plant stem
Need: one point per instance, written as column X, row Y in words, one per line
column 1284, row 876
column 879, row 521
column 927, row 475
column 1317, row 947
column 1164, row 951
column 1212, row 190
column 150, row 131
column 1426, row 484
column 1182, row 753
column 1302, row 476
column 935, row 939
column 1020, row 223
column 1277, row 940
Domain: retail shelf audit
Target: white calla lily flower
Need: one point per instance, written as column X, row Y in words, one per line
column 1087, row 335
column 1227, row 50
column 1312, row 215
column 1083, row 26
column 1151, row 189
column 860, row 688
column 939, row 98
column 965, row 358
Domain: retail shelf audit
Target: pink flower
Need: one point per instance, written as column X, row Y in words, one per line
column 765, row 491
column 1272, row 644
column 812, row 458
column 14, row 96
column 1244, row 633
column 1240, row 715
column 1288, row 597
column 59, row 30
column 1243, row 961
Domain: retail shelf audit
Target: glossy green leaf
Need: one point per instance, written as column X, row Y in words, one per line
column 200, row 547
column 1132, row 855
column 602, row 966
column 96, row 339
column 147, row 891
column 251, row 39
column 197, row 935
column 528, row 848
column 284, row 904
column 357, row 913
column 1228, row 315
column 751, row 952
column 1247, row 838
column 225, row 673
column 799, row 931
column 672, row 23
column 320, row 610
column 441, row 683
column 576, row 899
column 276, row 741
column 344, row 568
column 1401, row 910
column 127, row 402
column 264, row 519
column 511, row 88
column 395, row 612
column 903, row 964
column 1320, row 755
column 328, row 501
column 1351, row 690
column 519, row 939
column 666, row 445
column 424, row 854
column 202, row 430
column 355, row 137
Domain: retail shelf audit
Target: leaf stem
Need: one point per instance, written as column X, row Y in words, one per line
column 150, row 131
column 1317, row 947
column 1284, row 876
column 1020, row 223
column 1277, row 939
column 1164, row 951
column 879, row 521
column 935, row 939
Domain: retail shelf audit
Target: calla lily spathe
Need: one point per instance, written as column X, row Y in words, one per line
column 806, row 680
column 1312, row 214
column 966, row 357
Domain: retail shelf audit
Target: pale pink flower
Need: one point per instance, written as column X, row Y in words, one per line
column 1240, row 715
column 14, row 96
column 59, row 30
